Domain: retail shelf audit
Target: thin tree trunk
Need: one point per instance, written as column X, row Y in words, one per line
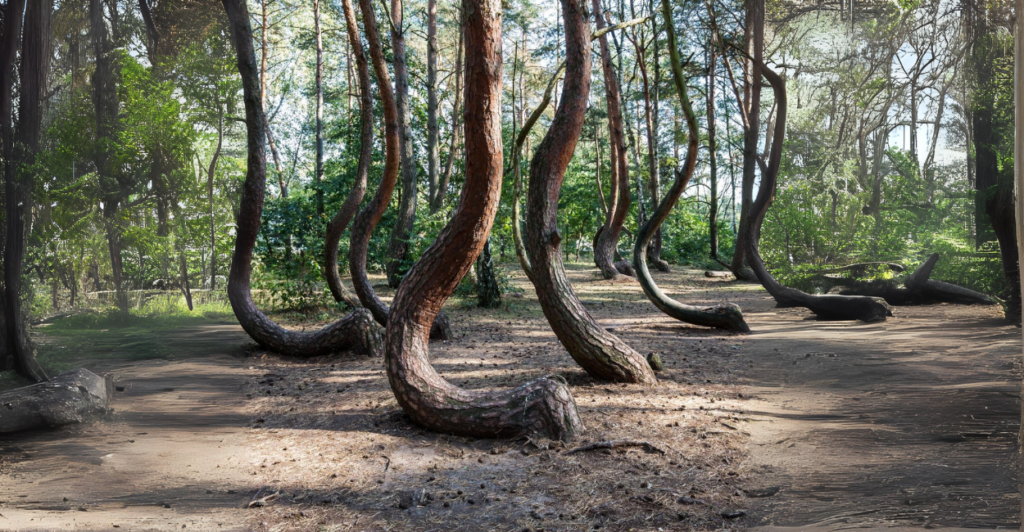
column 367, row 219
column 601, row 354
column 545, row 406
column 437, row 201
column 433, row 157
column 348, row 209
column 186, row 288
column 318, row 178
column 723, row 315
column 210, row 174
column 650, row 94
column 356, row 331
column 608, row 240
column 398, row 246
column 264, row 57
column 712, row 152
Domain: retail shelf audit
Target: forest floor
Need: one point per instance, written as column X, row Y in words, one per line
column 912, row 422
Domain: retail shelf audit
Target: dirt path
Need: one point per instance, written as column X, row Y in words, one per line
column 802, row 425
column 911, row 422
column 172, row 456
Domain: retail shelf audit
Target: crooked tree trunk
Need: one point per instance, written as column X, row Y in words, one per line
column 607, row 241
column 650, row 94
column 723, row 315
column 348, row 210
column 398, row 246
column 829, row 307
column 545, row 406
column 355, row 332
column 754, row 36
column 367, row 219
column 517, row 150
column 601, row 354
column 19, row 151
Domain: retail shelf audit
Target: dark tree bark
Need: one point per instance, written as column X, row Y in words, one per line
column 712, row 153
column 917, row 289
column 398, row 246
column 356, row 331
column 367, row 219
column 995, row 197
column 754, row 39
column 829, row 307
column 601, row 354
column 544, row 406
column 488, row 293
column 607, row 241
column 348, row 210
column 19, row 150
column 318, row 178
column 723, row 315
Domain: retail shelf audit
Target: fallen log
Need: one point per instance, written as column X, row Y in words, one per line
column 68, row 398
column 918, row 289
column 829, row 307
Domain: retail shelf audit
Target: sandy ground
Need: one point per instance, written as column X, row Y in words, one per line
column 803, row 425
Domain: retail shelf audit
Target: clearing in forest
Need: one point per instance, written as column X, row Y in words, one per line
column 910, row 422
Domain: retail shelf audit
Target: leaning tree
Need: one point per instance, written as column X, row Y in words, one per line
column 600, row 353
column 544, row 406
column 357, row 331
column 368, row 218
column 348, row 209
column 832, row 307
column 724, row 315
column 607, row 240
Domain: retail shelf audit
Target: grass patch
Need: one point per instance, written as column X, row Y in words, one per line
column 149, row 332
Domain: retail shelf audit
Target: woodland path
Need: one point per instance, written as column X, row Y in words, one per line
column 172, row 456
column 805, row 425
column 908, row 423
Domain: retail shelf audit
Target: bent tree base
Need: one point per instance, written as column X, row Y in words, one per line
column 828, row 307
column 545, row 406
column 355, row 332
column 723, row 315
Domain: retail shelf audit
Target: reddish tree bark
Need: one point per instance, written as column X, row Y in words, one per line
column 544, row 406
column 398, row 246
column 356, row 331
column 830, row 307
column 723, row 315
column 348, row 210
column 607, row 240
column 368, row 218
column 601, row 354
